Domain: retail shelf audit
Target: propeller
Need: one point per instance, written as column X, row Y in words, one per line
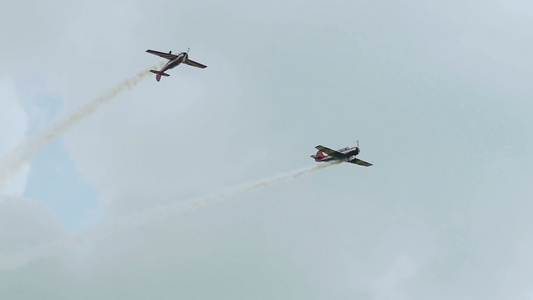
column 357, row 143
column 188, row 50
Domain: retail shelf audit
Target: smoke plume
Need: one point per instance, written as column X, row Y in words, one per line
column 11, row 164
column 158, row 214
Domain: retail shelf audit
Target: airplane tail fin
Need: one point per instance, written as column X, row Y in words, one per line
column 158, row 74
column 318, row 156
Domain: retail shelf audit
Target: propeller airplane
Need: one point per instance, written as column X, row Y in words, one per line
column 345, row 154
column 174, row 61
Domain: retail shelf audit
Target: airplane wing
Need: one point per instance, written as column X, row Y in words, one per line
column 162, row 54
column 194, row 64
column 331, row 152
column 360, row 162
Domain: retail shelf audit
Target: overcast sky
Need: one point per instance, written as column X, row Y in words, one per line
column 437, row 92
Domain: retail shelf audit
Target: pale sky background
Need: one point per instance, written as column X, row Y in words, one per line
column 437, row 92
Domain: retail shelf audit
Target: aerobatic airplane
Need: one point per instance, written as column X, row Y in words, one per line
column 174, row 60
column 345, row 154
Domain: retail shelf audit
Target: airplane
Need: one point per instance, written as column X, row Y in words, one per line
column 345, row 154
column 174, row 60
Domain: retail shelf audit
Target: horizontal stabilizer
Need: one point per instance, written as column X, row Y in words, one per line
column 159, row 73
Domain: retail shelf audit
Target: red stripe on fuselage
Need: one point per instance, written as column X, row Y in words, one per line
column 173, row 63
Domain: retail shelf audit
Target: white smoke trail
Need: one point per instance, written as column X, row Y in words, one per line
column 26, row 150
column 150, row 216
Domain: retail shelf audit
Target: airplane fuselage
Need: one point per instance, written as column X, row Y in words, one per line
column 350, row 153
column 174, row 63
